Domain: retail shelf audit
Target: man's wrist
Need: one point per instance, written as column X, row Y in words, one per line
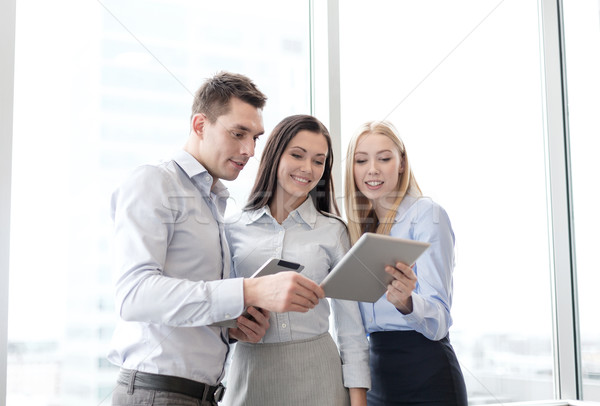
column 248, row 292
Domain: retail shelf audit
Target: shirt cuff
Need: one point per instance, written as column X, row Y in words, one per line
column 418, row 309
column 228, row 299
column 356, row 375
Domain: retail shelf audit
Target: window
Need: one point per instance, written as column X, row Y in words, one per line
column 582, row 43
column 96, row 96
column 464, row 92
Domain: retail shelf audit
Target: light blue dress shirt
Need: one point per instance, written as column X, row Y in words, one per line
column 318, row 242
column 421, row 219
column 171, row 254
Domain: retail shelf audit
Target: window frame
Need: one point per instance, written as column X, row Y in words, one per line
column 7, row 64
column 567, row 354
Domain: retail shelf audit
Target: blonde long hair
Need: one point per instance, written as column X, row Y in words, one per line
column 360, row 213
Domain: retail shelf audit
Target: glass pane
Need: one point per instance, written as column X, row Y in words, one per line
column 582, row 43
column 461, row 82
column 95, row 96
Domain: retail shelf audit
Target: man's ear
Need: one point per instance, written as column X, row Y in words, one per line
column 198, row 121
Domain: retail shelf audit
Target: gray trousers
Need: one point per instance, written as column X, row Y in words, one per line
column 126, row 396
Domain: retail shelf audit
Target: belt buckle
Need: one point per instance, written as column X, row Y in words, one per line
column 219, row 393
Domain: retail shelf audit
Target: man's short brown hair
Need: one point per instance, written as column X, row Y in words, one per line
column 212, row 98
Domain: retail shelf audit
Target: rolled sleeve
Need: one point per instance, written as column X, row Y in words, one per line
column 352, row 342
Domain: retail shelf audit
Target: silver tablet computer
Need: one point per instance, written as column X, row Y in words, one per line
column 272, row 266
column 361, row 276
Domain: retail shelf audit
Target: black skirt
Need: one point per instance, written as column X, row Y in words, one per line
column 409, row 369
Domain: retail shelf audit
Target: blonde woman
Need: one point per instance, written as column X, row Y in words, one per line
column 411, row 358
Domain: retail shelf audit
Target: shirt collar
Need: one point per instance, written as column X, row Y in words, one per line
column 306, row 213
column 256, row 215
column 199, row 175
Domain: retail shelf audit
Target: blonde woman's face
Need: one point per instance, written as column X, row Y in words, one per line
column 377, row 168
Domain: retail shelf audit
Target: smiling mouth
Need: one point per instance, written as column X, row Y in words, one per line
column 301, row 180
column 238, row 165
column 374, row 183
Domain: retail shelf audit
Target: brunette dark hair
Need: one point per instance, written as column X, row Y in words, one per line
column 263, row 190
column 212, row 98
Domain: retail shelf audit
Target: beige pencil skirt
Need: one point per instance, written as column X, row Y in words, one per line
column 303, row 372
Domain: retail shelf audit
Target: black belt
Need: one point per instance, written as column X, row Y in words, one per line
column 167, row 383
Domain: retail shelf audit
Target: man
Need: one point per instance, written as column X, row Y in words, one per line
column 173, row 259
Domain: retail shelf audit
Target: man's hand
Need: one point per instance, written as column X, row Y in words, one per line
column 251, row 329
column 282, row 292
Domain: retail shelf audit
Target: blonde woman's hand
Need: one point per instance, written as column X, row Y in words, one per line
column 399, row 291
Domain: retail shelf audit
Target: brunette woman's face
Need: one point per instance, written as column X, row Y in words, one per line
column 301, row 167
column 377, row 168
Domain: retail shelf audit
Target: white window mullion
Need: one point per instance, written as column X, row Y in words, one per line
column 568, row 383
column 7, row 63
column 325, row 79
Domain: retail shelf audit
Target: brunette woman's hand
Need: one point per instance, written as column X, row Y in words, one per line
column 358, row 396
column 399, row 291
column 253, row 328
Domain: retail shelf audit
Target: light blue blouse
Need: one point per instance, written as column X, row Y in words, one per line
column 318, row 242
column 421, row 219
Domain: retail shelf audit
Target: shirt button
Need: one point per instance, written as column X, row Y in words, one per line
column 227, row 316
column 283, row 325
column 207, row 178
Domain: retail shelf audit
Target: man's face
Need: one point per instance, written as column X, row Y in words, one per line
column 227, row 144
